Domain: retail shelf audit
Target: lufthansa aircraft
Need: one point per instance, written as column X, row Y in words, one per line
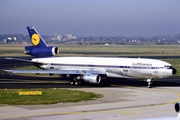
column 91, row 69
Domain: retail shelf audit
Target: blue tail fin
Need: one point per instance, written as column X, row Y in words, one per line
column 39, row 48
column 35, row 37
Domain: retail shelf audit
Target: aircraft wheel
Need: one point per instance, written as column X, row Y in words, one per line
column 76, row 83
column 72, row 83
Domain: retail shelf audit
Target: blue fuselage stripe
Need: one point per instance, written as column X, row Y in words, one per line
column 106, row 66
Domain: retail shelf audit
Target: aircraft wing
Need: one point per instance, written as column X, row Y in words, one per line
column 76, row 72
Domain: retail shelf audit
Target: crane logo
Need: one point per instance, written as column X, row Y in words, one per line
column 35, row 39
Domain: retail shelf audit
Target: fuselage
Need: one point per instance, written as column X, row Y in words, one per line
column 113, row 67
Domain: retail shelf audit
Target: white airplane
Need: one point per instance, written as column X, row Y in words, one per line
column 91, row 69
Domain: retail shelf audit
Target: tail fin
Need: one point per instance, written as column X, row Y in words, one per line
column 35, row 37
column 39, row 48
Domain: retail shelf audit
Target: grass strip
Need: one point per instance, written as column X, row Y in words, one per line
column 49, row 96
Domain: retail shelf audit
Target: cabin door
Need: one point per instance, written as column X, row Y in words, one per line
column 125, row 70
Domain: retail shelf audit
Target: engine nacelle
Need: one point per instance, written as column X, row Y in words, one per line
column 41, row 52
column 177, row 107
column 91, row 78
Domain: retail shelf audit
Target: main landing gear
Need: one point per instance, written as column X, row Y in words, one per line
column 150, row 82
column 76, row 80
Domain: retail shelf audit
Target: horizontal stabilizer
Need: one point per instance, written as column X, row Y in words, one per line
column 19, row 59
column 23, row 60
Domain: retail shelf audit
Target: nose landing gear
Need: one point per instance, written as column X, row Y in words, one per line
column 150, row 82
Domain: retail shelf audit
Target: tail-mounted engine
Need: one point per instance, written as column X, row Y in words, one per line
column 42, row 51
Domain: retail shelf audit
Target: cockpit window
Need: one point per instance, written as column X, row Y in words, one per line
column 167, row 66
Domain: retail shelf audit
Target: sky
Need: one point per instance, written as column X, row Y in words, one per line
column 91, row 17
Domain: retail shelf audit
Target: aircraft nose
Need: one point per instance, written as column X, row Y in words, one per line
column 174, row 71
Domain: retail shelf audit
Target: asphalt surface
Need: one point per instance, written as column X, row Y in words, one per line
column 123, row 98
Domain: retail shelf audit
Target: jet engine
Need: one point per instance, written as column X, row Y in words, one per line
column 42, row 51
column 92, row 78
column 177, row 107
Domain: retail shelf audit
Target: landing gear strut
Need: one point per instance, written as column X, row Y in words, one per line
column 149, row 83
